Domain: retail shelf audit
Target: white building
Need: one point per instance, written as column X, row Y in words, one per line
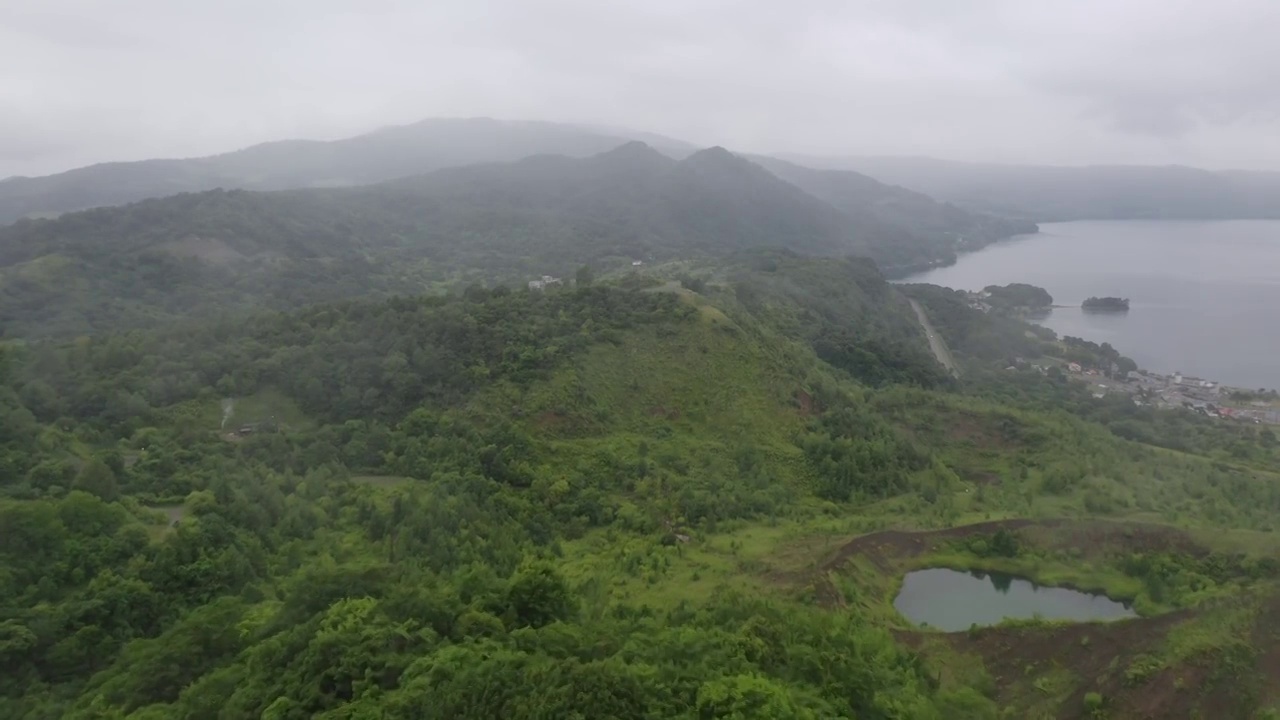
column 544, row 283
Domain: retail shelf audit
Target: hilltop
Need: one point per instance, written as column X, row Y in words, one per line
column 327, row 452
column 568, row 489
column 902, row 191
column 385, row 154
column 197, row 255
column 927, row 232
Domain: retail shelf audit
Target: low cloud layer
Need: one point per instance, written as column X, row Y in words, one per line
column 1088, row 81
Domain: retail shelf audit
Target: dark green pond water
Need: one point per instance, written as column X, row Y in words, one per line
column 952, row 600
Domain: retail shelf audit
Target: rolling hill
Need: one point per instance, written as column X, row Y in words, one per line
column 384, row 154
column 1036, row 193
column 925, row 228
column 198, row 254
column 630, row 500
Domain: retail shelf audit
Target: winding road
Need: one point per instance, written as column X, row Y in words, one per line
column 938, row 347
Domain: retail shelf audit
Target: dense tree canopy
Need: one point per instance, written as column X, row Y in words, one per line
column 501, row 502
column 198, row 256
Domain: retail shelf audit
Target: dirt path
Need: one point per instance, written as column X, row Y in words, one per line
column 939, row 348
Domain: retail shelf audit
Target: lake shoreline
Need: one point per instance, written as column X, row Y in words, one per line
column 952, row 600
column 1205, row 290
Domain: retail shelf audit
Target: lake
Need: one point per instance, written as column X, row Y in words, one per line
column 951, row 600
column 1205, row 296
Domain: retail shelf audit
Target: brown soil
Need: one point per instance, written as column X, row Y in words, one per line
column 1097, row 538
column 550, row 420
column 981, row 477
column 664, row 412
column 982, row 431
column 884, row 547
column 1091, row 537
column 1096, row 654
column 808, row 406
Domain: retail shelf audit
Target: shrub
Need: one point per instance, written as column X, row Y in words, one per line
column 1093, row 704
column 1141, row 670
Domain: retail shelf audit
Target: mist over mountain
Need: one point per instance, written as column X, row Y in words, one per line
column 466, row 418
column 225, row 251
column 924, row 226
column 384, row 154
column 1035, row 193
column 1053, row 193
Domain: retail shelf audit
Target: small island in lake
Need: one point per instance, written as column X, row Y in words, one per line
column 1106, row 304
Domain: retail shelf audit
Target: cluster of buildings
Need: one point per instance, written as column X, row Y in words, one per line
column 978, row 301
column 1167, row 392
column 545, row 282
column 1164, row 392
column 548, row 281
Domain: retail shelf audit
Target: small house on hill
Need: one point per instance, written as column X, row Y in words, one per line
column 544, row 282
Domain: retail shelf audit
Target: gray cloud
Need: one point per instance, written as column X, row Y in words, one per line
column 1152, row 81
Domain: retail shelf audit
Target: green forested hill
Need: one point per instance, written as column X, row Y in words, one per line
column 390, row 540
column 196, row 256
column 625, row 499
column 926, row 231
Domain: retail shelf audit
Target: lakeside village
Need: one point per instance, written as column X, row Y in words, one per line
column 1163, row 392
column 1168, row 392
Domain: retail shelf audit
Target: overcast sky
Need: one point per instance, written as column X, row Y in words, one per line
column 1047, row 81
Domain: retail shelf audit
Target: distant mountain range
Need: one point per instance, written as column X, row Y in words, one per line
column 1099, row 192
column 381, row 155
column 422, row 207
column 219, row 251
column 1029, row 192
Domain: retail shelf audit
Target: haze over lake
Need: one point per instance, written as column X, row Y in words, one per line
column 1205, row 296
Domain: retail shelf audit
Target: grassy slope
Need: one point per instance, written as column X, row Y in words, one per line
column 686, row 398
column 701, row 391
column 689, row 399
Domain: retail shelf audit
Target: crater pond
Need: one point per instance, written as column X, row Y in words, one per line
column 953, row 600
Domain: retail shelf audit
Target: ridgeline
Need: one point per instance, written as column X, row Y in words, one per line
column 329, row 454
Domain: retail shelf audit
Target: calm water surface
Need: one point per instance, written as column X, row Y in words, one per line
column 1205, row 296
column 952, row 600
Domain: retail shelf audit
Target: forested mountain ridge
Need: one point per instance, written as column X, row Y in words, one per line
column 323, row 453
column 533, row 504
column 1046, row 193
column 613, row 500
column 198, row 255
column 1033, row 193
column 529, row 420
column 927, row 229
column 374, row 157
